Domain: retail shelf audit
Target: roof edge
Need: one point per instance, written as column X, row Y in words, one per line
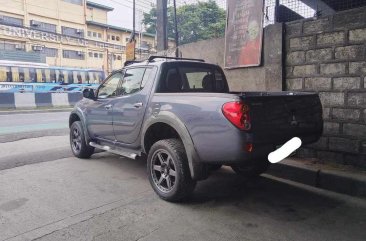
column 100, row 6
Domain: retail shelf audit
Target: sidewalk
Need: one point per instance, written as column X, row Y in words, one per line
column 337, row 178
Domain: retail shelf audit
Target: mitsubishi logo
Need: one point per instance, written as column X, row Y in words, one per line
column 293, row 120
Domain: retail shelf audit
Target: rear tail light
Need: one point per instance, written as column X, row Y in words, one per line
column 238, row 114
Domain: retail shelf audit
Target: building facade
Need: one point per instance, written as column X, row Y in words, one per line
column 67, row 33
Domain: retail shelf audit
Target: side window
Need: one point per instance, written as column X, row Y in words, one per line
column 132, row 80
column 110, row 88
column 147, row 75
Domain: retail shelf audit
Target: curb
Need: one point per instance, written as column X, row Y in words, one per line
column 36, row 110
column 346, row 182
column 38, row 100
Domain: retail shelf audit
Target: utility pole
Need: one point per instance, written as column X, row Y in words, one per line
column 161, row 25
column 176, row 30
column 134, row 27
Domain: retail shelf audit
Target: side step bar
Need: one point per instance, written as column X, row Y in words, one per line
column 118, row 151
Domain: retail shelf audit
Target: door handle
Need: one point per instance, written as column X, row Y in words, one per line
column 108, row 107
column 138, row 105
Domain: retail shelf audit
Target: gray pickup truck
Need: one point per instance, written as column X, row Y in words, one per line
column 182, row 116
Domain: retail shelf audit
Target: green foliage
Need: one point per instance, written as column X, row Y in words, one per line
column 199, row 21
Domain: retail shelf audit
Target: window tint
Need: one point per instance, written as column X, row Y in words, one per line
column 132, row 80
column 193, row 79
column 148, row 73
column 110, row 88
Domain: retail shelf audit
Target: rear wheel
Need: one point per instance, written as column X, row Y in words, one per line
column 168, row 170
column 252, row 169
column 79, row 147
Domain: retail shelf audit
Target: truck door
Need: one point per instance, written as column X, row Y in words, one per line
column 99, row 112
column 129, row 108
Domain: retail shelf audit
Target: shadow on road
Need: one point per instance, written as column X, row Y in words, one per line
column 261, row 195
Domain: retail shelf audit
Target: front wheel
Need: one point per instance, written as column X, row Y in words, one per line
column 79, row 147
column 168, row 170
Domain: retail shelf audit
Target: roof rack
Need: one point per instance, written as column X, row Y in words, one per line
column 151, row 58
column 129, row 62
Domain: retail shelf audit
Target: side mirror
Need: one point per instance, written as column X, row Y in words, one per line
column 89, row 94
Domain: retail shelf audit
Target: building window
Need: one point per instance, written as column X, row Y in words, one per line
column 90, row 54
column 79, row 2
column 11, row 21
column 89, row 33
column 101, row 55
column 34, row 24
column 118, row 38
column 71, row 54
column 99, row 35
column 49, row 52
column 95, row 55
column 119, row 57
column 94, row 34
column 7, row 46
column 72, row 32
column 113, row 37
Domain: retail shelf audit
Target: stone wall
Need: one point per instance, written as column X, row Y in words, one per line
column 328, row 55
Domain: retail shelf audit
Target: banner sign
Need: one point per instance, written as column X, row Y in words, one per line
column 244, row 32
column 130, row 51
column 31, row 34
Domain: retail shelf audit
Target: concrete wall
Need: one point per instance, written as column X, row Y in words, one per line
column 268, row 76
column 325, row 55
column 328, row 55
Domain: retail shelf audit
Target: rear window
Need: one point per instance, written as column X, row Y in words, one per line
column 193, row 79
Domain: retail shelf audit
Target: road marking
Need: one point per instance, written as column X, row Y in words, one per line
column 285, row 150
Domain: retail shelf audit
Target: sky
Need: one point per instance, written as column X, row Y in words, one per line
column 122, row 14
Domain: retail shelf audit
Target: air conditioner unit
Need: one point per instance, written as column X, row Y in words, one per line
column 79, row 31
column 34, row 23
column 19, row 47
column 37, row 47
column 80, row 53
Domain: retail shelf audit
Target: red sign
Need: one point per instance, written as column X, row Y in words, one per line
column 244, row 31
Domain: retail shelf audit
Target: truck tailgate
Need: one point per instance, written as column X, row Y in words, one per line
column 276, row 117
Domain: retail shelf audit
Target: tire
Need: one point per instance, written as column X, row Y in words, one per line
column 78, row 145
column 251, row 170
column 168, row 170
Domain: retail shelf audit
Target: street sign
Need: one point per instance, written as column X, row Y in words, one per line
column 243, row 35
column 130, row 51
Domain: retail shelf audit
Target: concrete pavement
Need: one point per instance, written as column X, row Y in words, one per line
column 33, row 150
column 16, row 123
column 109, row 198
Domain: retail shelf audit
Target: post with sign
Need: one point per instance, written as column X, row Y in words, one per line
column 243, row 36
column 130, row 50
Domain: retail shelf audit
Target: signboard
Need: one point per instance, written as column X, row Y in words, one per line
column 130, row 51
column 244, row 31
column 31, row 34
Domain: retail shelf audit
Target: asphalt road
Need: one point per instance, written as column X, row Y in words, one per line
column 18, row 126
column 109, row 198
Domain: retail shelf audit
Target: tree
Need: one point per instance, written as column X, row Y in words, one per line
column 199, row 21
